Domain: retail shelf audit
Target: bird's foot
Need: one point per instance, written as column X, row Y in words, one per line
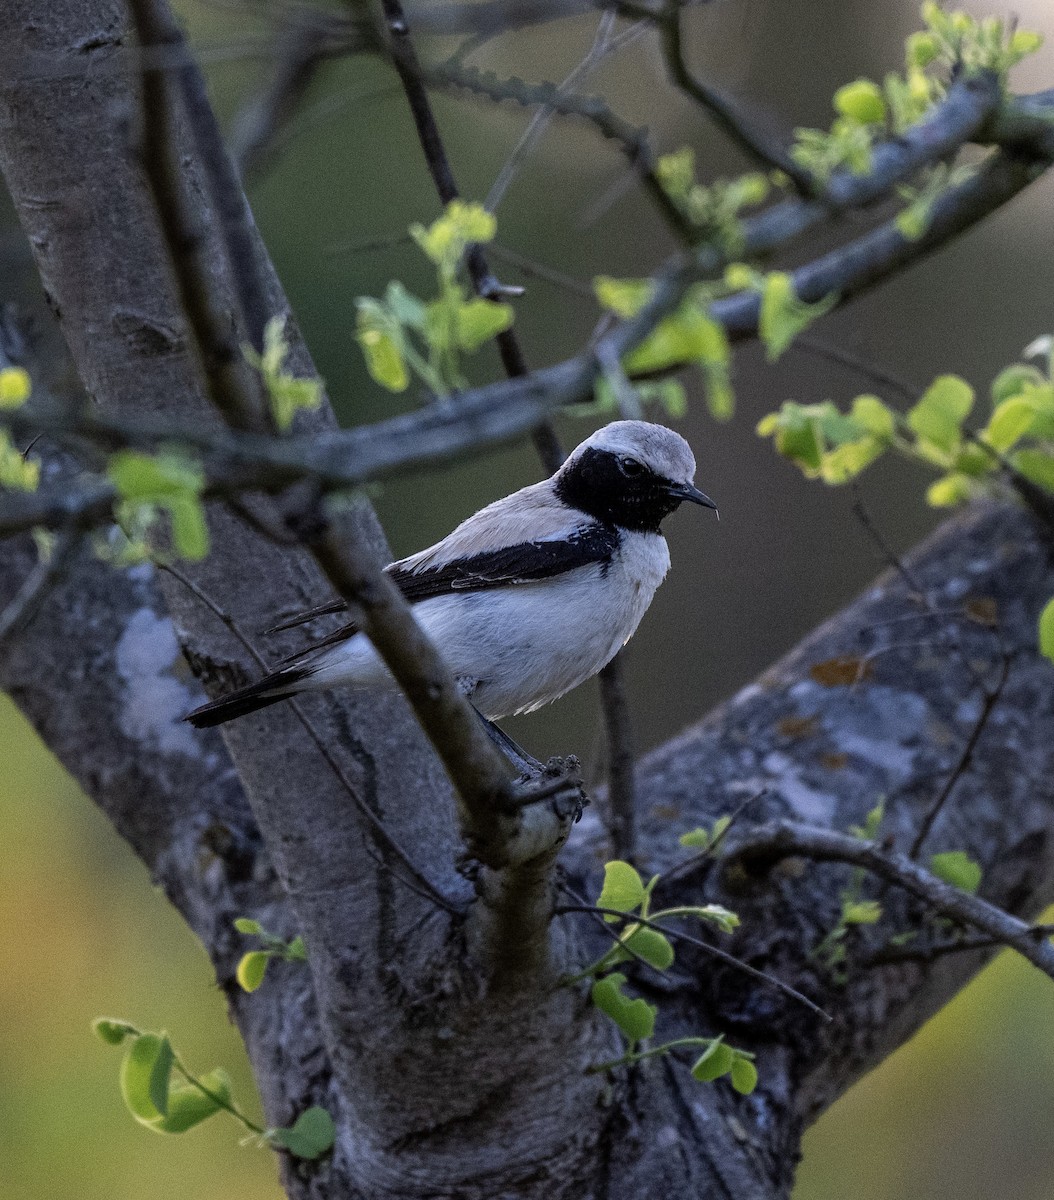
column 560, row 781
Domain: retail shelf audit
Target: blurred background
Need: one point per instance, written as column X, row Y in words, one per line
column 964, row 1110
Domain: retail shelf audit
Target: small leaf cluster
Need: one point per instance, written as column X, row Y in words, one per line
column 783, row 315
column 625, row 900
column 951, row 41
column 957, row 868
column 715, row 209
column 835, row 446
column 287, row 393
column 163, row 1095
column 169, row 482
column 18, row 471
column 705, row 840
column 955, row 39
column 854, row 908
column 953, row 866
column 921, row 198
column 688, row 337
column 253, row 966
column 403, row 335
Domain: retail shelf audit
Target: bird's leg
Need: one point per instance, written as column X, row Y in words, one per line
column 568, row 795
column 525, row 763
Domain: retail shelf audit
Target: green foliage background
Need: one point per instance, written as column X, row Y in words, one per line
column 965, row 1110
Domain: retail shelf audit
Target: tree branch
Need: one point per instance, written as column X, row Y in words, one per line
column 760, row 848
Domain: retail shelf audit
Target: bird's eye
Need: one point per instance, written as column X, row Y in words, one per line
column 630, row 466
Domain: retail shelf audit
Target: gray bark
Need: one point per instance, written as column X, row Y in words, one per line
column 443, row 1082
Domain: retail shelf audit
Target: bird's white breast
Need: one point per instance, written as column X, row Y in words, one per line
column 516, row 648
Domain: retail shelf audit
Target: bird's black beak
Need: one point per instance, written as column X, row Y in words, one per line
column 688, row 491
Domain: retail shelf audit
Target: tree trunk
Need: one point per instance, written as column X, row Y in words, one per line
column 445, row 1081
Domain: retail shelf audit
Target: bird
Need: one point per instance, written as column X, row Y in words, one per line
column 529, row 597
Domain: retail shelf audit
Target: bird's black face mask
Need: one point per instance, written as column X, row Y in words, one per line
column 620, row 490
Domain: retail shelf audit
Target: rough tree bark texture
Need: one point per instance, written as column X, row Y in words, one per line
column 444, row 1082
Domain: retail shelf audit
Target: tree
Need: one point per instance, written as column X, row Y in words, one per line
column 441, row 921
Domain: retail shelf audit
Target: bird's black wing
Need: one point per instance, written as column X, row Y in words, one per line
column 525, row 562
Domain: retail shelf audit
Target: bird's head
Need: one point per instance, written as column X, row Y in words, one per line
column 631, row 473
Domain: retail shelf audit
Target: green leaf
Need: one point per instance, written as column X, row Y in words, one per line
column 479, row 320
column 404, row 306
column 190, row 533
column 188, row 1106
column 161, row 1076
column 720, row 825
column 861, row 101
column 445, row 240
column 847, row 461
column 310, row 1135
column 154, row 477
column 957, row 868
column 952, row 489
column 252, row 968
column 871, row 414
column 676, row 172
column 287, row 393
column 247, row 925
column 1046, row 630
column 797, row 435
column 869, row 830
column 650, row 945
column 169, row 481
column 137, row 1076
column 15, row 387
column 1014, row 380
column 1009, row 423
column 861, row 912
column 296, row 951
column 974, row 461
column 379, row 337
column 938, row 416
column 636, row 1018
column 716, row 914
column 744, row 1075
column 111, row 1031
column 1036, row 465
column 1022, row 43
column 623, row 889
column 623, row 297
column 16, row 470
column 689, row 336
column 697, row 837
column 714, row 1062
column 783, row 316
column 921, row 49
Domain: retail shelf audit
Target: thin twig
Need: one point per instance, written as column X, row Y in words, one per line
column 583, row 906
column 618, row 731
column 633, row 141
column 604, row 45
column 408, row 68
column 46, row 574
column 760, row 848
column 690, row 865
column 991, row 699
column 230, row 387
column 728, row 115
column 891, row 955
column 531, row 267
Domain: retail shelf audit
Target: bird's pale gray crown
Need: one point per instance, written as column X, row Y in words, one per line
column 655, row 447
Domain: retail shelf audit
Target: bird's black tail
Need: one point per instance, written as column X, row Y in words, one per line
column 278, row 686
